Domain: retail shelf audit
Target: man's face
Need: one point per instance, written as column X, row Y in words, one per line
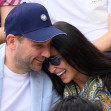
column 29, row 55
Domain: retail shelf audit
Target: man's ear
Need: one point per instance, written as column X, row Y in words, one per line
column 11, row 41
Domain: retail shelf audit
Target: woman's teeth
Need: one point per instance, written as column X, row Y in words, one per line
column 58, row 74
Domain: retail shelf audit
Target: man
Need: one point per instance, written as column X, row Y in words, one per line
column 23, row 87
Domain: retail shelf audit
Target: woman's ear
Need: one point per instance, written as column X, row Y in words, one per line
column 11, row 41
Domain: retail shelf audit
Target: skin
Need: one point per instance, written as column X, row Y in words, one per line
column 26, row 55
column 68, row 72
column 105, row 39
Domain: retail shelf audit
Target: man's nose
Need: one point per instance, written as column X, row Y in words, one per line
column 46, row 52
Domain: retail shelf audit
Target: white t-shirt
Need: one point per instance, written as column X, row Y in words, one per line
column 15, row 91
column 89, row 16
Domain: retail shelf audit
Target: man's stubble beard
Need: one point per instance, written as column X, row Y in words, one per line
column 27, row 64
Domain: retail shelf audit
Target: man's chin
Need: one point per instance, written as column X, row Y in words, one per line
column 37, row 68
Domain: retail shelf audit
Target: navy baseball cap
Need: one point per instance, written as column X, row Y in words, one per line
column 32, row 21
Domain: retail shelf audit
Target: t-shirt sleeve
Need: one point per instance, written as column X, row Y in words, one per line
column 9, row 2
column 109, row 6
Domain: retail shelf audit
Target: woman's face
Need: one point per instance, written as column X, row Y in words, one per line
column 63, row 70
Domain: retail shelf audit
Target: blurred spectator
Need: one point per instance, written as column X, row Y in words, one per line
column 5, row 7
column 76, row 103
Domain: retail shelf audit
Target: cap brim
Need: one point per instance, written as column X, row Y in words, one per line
column 43, row 34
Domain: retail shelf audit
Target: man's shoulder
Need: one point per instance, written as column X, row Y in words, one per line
column 40, row 74
column 2, row 49
column 2, row 45
column 43, row 78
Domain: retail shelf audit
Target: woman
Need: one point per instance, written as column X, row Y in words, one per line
column 84, row 69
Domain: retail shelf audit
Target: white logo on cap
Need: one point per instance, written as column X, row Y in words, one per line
column 43, row 17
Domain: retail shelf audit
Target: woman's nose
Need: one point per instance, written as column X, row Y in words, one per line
column 52, row 68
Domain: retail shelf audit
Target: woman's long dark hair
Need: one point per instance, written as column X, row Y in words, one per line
column 81, row 54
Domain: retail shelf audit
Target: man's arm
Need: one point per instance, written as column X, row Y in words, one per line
column 104, row 42
column 4, row 12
